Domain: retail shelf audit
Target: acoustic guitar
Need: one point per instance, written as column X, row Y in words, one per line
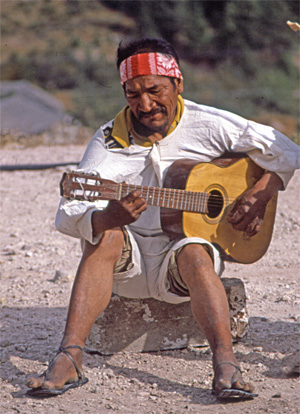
column 195, row 201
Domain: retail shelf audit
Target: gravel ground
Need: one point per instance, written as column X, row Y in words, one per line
column 37, row 268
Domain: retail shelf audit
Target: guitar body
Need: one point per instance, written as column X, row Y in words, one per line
column 225, row 179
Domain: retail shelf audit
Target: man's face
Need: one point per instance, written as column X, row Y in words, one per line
column 153, row 100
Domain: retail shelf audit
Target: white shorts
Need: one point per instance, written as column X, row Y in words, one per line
column 146, row 275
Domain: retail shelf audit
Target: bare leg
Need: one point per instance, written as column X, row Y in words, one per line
column 210, row 308
column 90, row 296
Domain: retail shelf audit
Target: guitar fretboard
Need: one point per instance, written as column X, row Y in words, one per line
column 88, row 187
column 170, row 197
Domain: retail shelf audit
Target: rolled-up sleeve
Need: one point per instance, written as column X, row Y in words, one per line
column 268, row 148
column 74, row 218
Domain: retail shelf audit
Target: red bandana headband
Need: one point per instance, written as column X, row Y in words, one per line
column 149, row 64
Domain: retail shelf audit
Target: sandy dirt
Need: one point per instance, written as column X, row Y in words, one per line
column 37, row 268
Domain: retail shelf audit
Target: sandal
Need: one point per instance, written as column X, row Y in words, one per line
column 232, row 393
column 41, row 392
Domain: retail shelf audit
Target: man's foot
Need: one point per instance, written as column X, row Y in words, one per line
column 228, row 382
column 64, row 372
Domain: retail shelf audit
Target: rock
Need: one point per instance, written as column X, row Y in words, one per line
column 145, row 325
column 60, row 276
column 277, row 395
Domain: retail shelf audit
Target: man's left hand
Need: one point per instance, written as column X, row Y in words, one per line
column 248, row 212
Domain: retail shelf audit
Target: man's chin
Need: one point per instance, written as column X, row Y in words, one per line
column 147, row 126
column 154, row 126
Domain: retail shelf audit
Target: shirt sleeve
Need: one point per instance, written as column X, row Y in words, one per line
column 268, row 148
column 74, row 217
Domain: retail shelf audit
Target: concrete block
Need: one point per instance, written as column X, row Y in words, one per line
column 143, row 325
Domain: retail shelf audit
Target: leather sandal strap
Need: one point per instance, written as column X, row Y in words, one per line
column 61, row 348
column 64, row 351
column 228, row 363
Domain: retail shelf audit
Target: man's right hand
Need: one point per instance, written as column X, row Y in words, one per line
column 118, row 213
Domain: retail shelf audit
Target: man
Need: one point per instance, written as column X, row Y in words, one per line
column 124, row 248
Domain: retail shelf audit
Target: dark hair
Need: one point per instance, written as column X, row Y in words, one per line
column 145, row 45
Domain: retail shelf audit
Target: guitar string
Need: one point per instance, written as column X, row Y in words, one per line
column 176, row 197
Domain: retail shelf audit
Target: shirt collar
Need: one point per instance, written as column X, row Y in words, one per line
column 123, row 130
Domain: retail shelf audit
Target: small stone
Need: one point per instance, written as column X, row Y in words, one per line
column 9, row 252
column 60, row 276
column 4, row 343
column 277, row 395
column 109, row 406
column 110, row 373
column 25, row 247
column 21, row 348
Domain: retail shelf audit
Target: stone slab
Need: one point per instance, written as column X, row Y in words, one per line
column 144, row 325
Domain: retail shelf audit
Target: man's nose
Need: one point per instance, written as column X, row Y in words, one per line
column 146, row 103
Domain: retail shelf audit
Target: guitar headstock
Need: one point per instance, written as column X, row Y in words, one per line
column 77, row 185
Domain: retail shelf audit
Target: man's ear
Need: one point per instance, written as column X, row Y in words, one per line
column 179, row 85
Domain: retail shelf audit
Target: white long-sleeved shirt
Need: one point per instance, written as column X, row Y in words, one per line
column 203, row 133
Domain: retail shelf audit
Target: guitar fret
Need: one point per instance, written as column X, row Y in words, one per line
column 186, row 201
column 197, row 201
column 206, row 197
column 200, row 203
column 178, row 197
column 173, row 198
column 152, row 195
column 189, row 201
column 173, row 194
column 158, row 196
column 182, row 200
column 164, row 196
column 169, row 195
column 194, row 202
column 196, row 196
column 203, row 203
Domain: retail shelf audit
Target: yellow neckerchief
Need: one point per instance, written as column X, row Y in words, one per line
column 123, row 126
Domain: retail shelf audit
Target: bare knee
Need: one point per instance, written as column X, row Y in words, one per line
column 194, row 255
column 109, row 247
column 194, row 262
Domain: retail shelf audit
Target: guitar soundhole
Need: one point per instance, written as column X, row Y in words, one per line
column 215, row 203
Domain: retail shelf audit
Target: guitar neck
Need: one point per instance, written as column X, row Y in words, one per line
column 82, row 186
column 170, row 197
